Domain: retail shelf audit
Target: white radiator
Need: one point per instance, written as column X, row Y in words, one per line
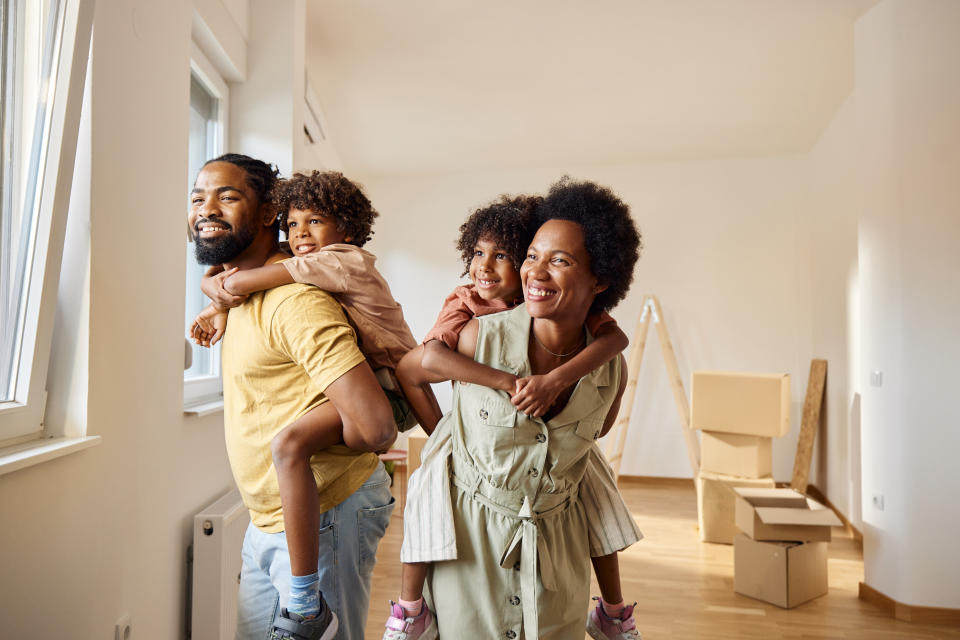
column 217, row 538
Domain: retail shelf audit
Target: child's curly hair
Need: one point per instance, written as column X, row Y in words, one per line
column 610, row 235
column 331, row 194
column 509, row 221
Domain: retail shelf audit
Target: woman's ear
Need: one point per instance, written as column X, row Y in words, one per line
column 599, row 287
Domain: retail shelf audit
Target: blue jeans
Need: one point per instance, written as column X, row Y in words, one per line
column 349, row 535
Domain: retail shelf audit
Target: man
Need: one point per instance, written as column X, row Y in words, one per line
column 289, row 349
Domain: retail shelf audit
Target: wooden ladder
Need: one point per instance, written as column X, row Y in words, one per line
column 650, row 310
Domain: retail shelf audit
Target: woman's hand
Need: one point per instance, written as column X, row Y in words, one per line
column 534, row 395
column 208, row 326
column 212, row 286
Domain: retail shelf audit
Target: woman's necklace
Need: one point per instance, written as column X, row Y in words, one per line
column 558, row 355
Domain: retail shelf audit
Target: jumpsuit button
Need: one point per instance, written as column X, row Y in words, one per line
column 514, row 600
column 596, row 435
column 541, row 438
column 516, row 566
column 483, row 414
column 511, row 634
column 534, row 472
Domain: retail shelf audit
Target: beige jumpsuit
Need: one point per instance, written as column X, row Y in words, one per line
column 523, row 562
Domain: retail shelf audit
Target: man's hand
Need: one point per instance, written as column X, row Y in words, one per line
column 208, row 326
column 534, row 395
column 212, row 286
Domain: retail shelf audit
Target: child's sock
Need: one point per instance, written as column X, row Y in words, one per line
column 612, row 610
column 411, row 607
column 305, row 595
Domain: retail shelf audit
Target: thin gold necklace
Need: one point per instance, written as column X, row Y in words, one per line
column 557, row 355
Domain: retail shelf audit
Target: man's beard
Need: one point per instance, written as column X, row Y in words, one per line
column 223, row 248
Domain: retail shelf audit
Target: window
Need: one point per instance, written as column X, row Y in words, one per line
column 208, row 117
column 43, row 54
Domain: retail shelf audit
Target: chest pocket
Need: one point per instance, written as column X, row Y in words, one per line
column 489, row 421
column 589, row 428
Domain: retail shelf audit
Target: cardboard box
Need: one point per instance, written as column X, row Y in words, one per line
column 749, row 403
column 783, row 514
column 416, row 439
column 736, row 454
column 716, row 504
column 782, row 573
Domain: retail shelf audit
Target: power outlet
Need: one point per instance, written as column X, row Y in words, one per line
column 123, row 629
column 878, row 501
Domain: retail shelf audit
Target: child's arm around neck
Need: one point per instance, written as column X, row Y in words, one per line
column 536, row 394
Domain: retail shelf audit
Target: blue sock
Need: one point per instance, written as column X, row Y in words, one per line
column 305, row 595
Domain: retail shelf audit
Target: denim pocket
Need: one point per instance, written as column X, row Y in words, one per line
column 371, row 526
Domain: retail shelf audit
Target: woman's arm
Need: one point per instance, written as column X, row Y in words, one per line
column 460, row 365
column 536, row 394
column 247, row 281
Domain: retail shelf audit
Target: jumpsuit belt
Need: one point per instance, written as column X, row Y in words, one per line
column 527, row 548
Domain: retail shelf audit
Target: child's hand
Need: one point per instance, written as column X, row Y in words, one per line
column 212, row 286
column 208, row 326
column 534, row 395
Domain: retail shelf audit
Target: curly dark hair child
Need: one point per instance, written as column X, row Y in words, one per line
column 610, row 236
column 509, row 220
column 331, row 194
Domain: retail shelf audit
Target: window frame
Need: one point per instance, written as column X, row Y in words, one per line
column 204, row 394
column 21, row 420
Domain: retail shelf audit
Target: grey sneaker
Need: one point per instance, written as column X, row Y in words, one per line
column 292, row 626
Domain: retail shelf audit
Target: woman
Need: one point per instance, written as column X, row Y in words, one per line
column 523, row 565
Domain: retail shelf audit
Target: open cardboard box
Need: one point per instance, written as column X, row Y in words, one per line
column 749, row 403
column 782, row 514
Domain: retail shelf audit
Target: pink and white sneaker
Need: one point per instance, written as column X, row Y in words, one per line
column 600, row 626
column 400, row 626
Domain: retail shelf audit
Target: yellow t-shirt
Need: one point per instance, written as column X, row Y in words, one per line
column 283, row 347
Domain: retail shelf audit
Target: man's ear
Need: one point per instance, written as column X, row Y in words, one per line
column 268, row 213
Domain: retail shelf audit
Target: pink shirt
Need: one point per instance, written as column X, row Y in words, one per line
column 348, row 272
column 464, row 303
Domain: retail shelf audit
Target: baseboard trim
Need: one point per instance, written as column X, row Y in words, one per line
column 909, row 612
column 656, row 480
column 820, row 497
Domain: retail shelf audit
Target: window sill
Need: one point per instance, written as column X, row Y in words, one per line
column 34, row 452
column 203, row 407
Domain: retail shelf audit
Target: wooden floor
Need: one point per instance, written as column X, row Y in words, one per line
column 685, row 587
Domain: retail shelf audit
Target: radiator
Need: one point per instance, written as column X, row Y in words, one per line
column 217, row 538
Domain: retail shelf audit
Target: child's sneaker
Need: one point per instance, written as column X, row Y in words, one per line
column 400, row 626
column 600, row 626
column 292, row 626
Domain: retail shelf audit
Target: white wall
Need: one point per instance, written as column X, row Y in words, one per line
column 726, row 252
column 267, row 108
column 909, row 231
column 101, row 533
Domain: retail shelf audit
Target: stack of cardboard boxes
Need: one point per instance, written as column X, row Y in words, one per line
column 781, row 556
column 739, row 415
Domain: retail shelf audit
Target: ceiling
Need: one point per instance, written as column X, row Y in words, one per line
column 427, row 87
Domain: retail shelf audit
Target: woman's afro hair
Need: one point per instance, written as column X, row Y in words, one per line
column 331, row 194
column 610, row 236
column 509, row 221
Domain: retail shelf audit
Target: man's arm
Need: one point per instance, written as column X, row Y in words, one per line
column 366, row 413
